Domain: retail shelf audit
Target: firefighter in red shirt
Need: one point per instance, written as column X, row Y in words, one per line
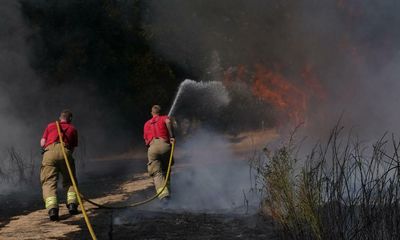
column 53, row 164
column 158, row 136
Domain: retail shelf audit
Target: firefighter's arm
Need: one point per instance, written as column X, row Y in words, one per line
column 145, row 135
column 170, row 130
column 43, row 141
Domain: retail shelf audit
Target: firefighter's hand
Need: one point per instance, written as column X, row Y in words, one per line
column 172, row 140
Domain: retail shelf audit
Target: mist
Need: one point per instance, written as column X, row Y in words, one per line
column 207, row 177
column 18, row 85
column 349, row 48
column 213, row 172
column 337, row 58
column 28, row 103
column 18, row 81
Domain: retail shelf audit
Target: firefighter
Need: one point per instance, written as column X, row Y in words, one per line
column 53, row 164
column 158, row 136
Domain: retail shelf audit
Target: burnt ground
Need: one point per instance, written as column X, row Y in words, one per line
column 25, row 218
column 164, row 225
column 29, row 221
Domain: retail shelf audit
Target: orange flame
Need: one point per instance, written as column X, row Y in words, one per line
column 285, row 96
column 289, row 99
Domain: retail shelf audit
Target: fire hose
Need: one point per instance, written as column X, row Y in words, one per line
column 71, row 175
column 81, row 196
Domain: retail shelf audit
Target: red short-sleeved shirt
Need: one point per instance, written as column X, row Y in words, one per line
column 69, row 132
column 155, row 128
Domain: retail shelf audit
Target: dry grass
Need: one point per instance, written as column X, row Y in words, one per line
column 341, row 190
column 17, row 169
column 23, row 169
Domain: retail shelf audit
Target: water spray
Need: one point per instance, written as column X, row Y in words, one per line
column 171, row 110
column 212, row 91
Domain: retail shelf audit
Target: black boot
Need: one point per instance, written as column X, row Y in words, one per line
column 72, row 208
column 53, row 214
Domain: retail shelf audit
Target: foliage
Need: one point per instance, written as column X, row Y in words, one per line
column 99, row 45
column 18, row 169
column 342, row 190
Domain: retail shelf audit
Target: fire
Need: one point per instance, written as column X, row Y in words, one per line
column 234, row 75
column 286, row 97
column 289, row 97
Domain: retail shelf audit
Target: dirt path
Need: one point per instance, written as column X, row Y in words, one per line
column 35, row 225
column 136, row 224
column 154, row 221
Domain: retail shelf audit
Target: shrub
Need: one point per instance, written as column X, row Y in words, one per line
column 342, row 189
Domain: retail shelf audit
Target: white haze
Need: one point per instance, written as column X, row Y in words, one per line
column 28, row 104
column 213, row 178
column 18, row 84
column 353, row 47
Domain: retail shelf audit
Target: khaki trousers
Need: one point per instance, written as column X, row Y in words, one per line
column 158, row 155
column 53, row 164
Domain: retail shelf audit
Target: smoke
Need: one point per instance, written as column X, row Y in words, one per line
column 321, row 59
column 350, row 48
column 18, row 82
column 207, row 177
column 207, row 168
column 31, row 97
column 211, row 171
column 28, row 103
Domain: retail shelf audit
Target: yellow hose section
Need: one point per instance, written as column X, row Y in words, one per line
column 147, row 200
column 89, row 226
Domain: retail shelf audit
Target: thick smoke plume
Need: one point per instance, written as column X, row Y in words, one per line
column 28, row 103
column 18, row 86
column 284, row 63
column 17, row 80
column 336, row 56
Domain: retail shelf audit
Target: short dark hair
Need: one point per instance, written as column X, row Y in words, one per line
column 66, row 114
column 156, row 109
